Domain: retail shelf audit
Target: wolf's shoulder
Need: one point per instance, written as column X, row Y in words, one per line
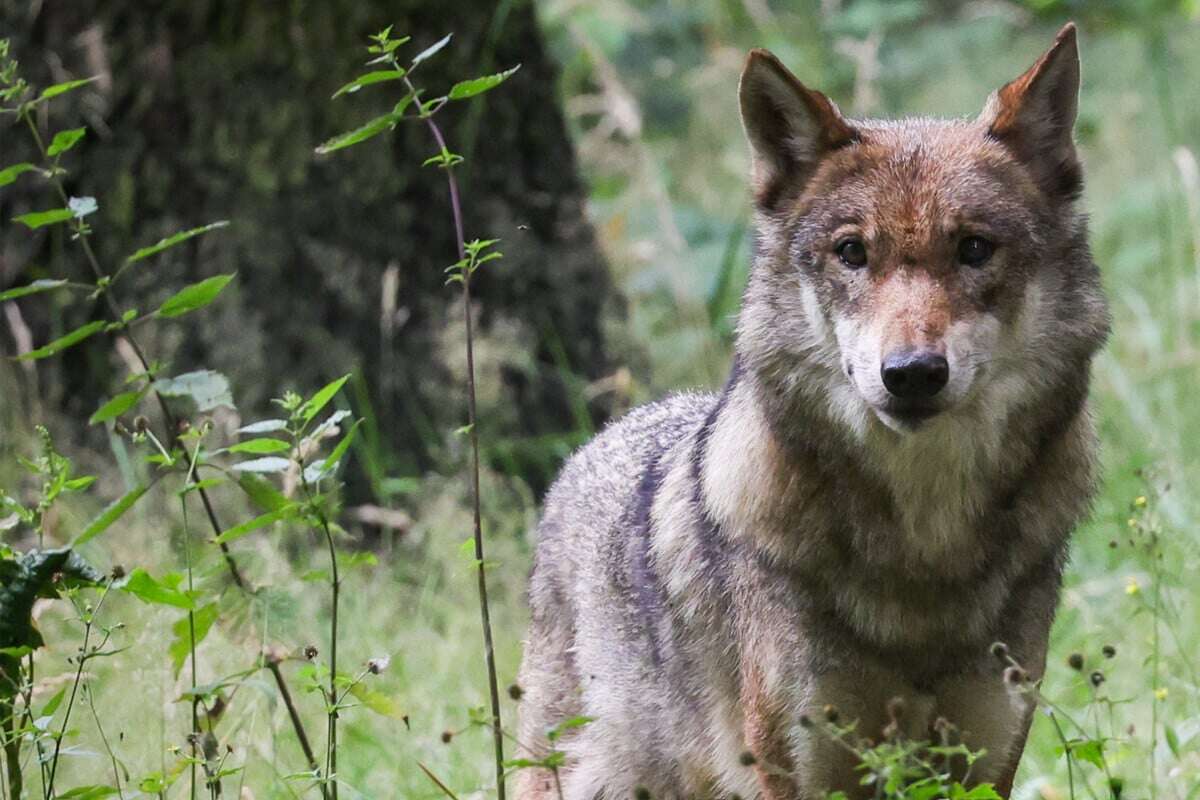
column 603, row 473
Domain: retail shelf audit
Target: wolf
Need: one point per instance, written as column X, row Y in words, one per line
column 885, row 485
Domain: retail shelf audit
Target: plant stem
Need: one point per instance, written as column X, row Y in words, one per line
column 169, row 419
column 84, row 654
column 273, row 665
column 489, row 650
column 1066, row 752
column 87, row 693
column 191, row 615
column 12, row 747
column 331, row 741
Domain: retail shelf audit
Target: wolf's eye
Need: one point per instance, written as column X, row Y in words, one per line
column 852, row 252
column 974, row 250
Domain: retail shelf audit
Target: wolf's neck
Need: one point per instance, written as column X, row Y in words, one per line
column 788, row 486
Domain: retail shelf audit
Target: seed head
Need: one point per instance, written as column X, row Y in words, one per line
column 516, row 692
column 831, row 713
column 805, row 721
column 1000, row 650
column 447, row 736
column 1075, row 661
column 1097, row 678
column 378, row 665
column 641, row 793
column 747, row 759
column 141, row 423
column 1109, row 651
column 118, row 572
column 310, row 652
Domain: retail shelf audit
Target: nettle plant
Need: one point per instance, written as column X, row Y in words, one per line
column 413, row 107
column 287, row 466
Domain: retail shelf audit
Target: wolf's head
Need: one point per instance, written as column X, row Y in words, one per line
column 906, row 270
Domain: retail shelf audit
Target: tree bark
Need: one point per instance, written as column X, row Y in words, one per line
column 210, row 109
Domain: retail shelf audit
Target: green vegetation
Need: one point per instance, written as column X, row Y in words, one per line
column 208, row 559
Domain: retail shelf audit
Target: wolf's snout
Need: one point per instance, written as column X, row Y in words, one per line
column 915, row 375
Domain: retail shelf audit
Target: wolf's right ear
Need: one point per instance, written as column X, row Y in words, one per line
column 790, row 127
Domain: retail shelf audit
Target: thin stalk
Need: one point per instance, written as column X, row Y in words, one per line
column 107, row 747
column 191, row 617
column 1154, row 676
column 336, row 581
column 12, row 747
column 273, row 665
column 489, row 649
column 1067, row 752
column 169, row 419
column 88, row 622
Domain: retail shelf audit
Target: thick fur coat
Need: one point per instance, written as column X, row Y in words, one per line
column 714, row 566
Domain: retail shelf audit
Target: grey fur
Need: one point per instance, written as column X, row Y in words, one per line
column 713, row 566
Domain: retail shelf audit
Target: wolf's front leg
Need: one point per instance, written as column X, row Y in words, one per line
column 767, row 726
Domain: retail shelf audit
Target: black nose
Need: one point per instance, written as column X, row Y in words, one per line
column 915, row 375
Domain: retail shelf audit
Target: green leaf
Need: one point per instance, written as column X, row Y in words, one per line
column 77, row 484
column 37, row 286
column 171, row 241
column 87, row 793
column 39, row 219
column 261, row 492
column 181, row 646
column 266, row 464
column 343, row 445
column 65, row 140
column 63, row 342
column 53, row 703
column 141, row 585
column 270, row 518
column 464, row 89
column 206, row 388
column 109, row 515
column 1089, row 750
column 377, row 76
column 260, row 446
column 1172, row 739
column 360, row 134
column 319, row 400
column 207, row 483
column 190, row 298
column 567, row 725
column 377, row 701
column 9, row 174
column 431, row 50
column 116, row 407
column 64, row 87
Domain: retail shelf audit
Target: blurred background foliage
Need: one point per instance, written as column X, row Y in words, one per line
column 613, row 166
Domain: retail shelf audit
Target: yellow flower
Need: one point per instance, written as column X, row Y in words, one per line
column 1132, row 522
column 1160, row 694
column 1132, row 587
column 1140, row 502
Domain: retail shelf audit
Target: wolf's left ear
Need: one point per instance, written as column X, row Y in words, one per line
column 790, row 127
column 1034, row 116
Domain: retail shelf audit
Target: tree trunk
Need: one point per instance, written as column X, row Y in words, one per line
column 210, row 110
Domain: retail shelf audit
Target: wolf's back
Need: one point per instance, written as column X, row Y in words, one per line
column 583, row 592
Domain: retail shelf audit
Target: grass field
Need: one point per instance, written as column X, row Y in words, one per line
column 651, row 94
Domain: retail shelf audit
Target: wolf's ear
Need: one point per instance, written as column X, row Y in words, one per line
column 1034, row 116
column 790, row 127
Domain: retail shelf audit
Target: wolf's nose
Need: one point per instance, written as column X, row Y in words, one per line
column 915, row 375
